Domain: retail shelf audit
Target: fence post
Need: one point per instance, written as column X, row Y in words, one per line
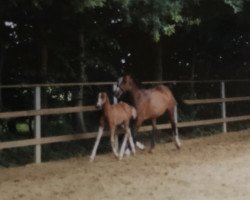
column 176, row 118
column 114, row 98
column 223, row 107
column 38, row 153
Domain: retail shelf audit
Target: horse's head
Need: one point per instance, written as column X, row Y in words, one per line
column 102, row 98
column 123, row 84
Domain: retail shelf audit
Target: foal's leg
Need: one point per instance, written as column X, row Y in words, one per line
column 133, row 130
column 112, row 140
column 131, row 142
column 116, row 142
column 98, row 138
column 173, row 125
column 124, row 143
column 125, row 139
column 153, row 136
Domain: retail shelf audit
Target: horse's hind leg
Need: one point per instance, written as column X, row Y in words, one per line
column 134, row 133
column 133, row 130
column 173, row 125
column 152, row 145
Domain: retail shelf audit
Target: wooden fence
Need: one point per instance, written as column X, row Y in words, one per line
column 37, row 141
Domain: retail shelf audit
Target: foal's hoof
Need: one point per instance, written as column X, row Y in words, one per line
column 127, row 152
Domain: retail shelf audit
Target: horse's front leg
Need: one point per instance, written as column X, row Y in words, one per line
column 112, row 141
column 133, row 130
column 134, row 133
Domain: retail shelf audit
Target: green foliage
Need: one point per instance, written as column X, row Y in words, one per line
column 158, row 17
column 169, row 30
column 81, row 5
column 237, row 5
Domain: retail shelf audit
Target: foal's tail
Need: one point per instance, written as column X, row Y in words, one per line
column 134, row 112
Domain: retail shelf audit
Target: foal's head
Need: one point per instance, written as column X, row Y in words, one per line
column 124, row 83
column 102, row 98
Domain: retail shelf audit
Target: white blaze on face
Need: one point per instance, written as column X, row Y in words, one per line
column 99, row 100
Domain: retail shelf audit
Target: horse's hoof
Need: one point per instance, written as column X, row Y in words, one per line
column 140, row 145
column 151, row 151
column 178, row 145
column 91, row 159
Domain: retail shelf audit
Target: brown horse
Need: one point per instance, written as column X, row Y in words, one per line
column 150, row 104
column 114, row 115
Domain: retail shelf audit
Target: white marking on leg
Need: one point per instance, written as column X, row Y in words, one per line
column 177, row 141
column 112, row 141
column 127, row 152
column 124, row 143
column 116, row 143
column 131, row 142
column 140, row 145
column 97, row 141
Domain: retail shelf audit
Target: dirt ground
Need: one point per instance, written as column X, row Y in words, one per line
column 215, row 167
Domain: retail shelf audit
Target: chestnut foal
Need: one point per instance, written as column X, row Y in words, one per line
column 114, row 115
column 150, row 104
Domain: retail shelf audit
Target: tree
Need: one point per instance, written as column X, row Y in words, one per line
column 158, row 18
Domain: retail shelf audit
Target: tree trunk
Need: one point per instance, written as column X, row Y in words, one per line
column 158, row 69
column 81, row 126
column 41, row 40
column 192, row 75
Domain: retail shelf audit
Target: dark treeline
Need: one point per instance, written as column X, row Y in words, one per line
column 65, row 41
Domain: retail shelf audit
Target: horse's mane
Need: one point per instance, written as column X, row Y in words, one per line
column 136, row 80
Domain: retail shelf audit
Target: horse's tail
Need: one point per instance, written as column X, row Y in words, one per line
column 181, row 103
column 134, row 112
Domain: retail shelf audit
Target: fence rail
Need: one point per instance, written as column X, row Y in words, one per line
column 38, row 112
column 64, row 110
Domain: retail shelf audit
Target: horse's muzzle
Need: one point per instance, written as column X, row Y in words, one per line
column 98, row 107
